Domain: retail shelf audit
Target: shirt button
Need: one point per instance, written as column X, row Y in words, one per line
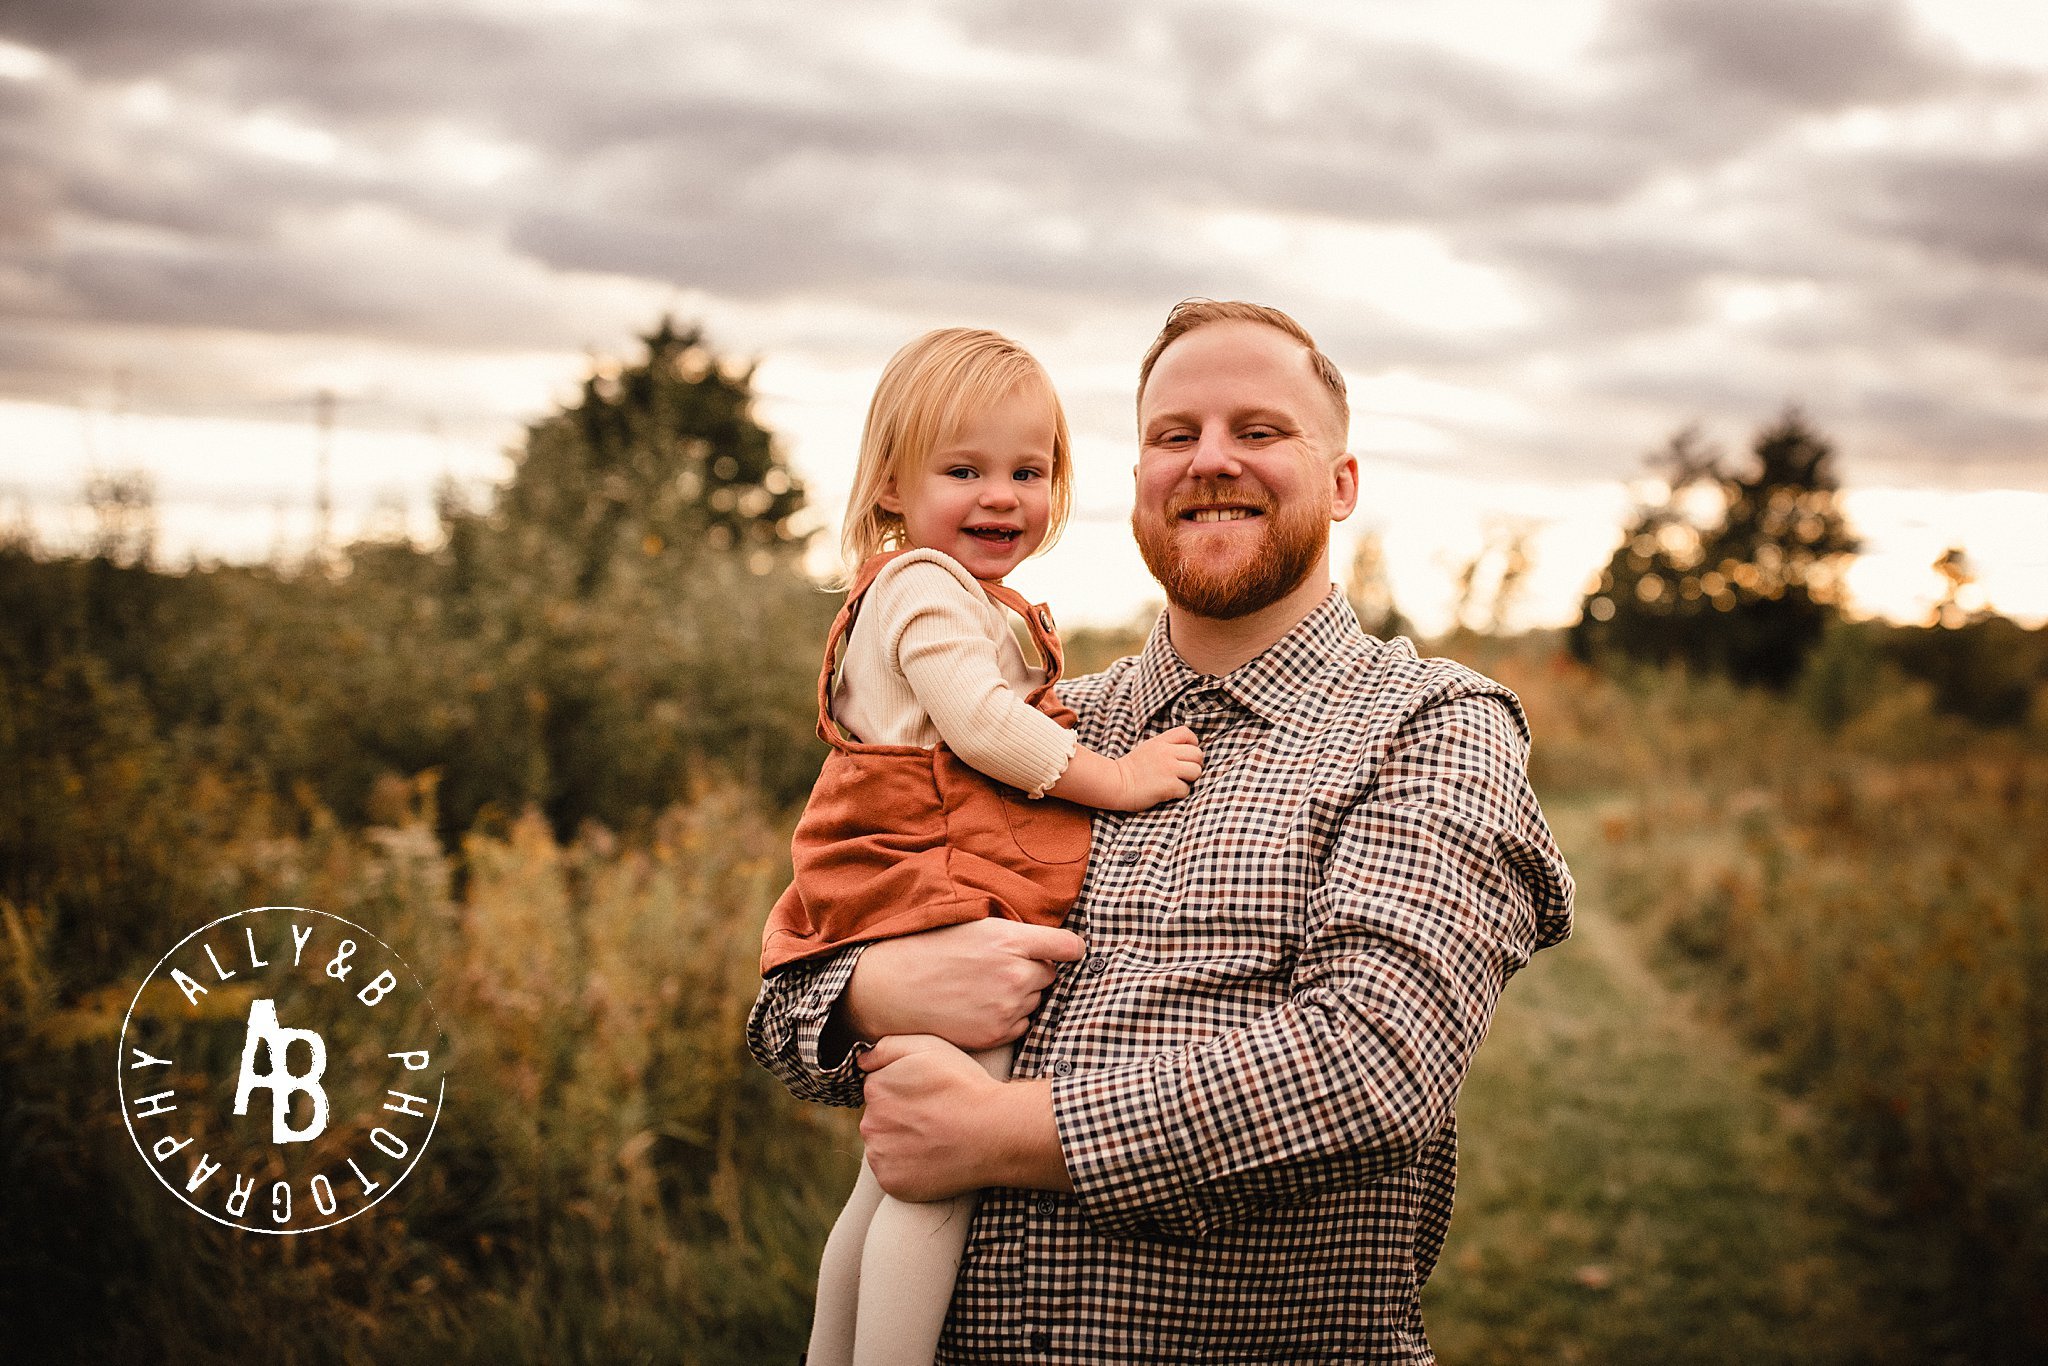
column 1046, row 1204
column 1096, row 965
column 1041, row 1342
column 1127, row 854
column 1062, row 1068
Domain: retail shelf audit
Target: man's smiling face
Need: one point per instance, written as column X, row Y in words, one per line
column 1240, row 470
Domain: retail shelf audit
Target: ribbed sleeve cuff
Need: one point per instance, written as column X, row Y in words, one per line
column 1059, row 769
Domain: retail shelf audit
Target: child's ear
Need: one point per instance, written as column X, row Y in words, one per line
column 890, row 500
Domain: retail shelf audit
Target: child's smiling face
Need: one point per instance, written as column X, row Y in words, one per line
column 985, row 496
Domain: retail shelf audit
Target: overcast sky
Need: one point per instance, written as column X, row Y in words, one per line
column 1539, row 235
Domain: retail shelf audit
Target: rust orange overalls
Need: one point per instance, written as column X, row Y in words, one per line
column 899, row 838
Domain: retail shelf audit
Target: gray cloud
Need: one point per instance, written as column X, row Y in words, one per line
column 1059, row 164
column 1810, row 54
column 1987, row 209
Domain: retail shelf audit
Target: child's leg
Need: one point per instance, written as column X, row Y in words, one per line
column 839, row 1276
column 910, row 1264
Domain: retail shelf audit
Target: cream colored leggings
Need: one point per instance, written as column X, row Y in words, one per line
column 887, row 1274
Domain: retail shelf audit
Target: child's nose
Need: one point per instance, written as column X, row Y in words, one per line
column 998, row 493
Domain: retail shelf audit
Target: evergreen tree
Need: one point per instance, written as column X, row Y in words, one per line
column 1634, row 612
column 1748, row 596
column 661, row 460
column 631, row 610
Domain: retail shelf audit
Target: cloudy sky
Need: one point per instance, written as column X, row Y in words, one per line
column 1539, row 235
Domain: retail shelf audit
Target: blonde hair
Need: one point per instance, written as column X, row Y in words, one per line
column 926, row 393
column 1189, row 314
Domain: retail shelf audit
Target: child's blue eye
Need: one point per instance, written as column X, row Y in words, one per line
column 961, row 472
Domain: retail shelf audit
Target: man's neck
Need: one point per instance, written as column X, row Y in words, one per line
column 1209, row 645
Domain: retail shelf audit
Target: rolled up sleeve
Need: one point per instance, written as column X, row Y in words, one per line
column 785, row 1028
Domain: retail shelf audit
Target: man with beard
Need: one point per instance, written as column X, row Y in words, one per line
column 1229, row 1134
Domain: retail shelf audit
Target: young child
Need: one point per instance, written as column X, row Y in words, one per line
column 944, row 740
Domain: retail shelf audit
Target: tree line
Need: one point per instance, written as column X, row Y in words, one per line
column 627, row 617
column 1737, row 570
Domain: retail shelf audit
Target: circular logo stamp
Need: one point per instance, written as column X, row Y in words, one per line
column 280, row 1070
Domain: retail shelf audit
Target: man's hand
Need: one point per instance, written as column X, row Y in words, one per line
column 974, row 985
column 937, row 1125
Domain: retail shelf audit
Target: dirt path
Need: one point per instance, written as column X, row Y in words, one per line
column 1633, row 1194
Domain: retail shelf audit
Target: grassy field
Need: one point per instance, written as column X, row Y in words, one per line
column 1633, row 1191
column 1812, row 965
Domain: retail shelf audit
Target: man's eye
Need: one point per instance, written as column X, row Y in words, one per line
column 1261, row 434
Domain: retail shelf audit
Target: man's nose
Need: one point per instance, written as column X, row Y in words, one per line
column 1214, row 457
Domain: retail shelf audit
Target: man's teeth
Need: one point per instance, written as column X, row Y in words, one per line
column 1219, row 514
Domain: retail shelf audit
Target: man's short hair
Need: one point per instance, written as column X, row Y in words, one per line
column 1189, row 314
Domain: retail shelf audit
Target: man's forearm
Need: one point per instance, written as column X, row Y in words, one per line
column 938, row 1125
column 1023, row 1141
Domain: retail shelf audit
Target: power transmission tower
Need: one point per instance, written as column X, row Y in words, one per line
column 323, row 495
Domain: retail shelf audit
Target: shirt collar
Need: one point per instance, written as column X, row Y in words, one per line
column 1269, row 684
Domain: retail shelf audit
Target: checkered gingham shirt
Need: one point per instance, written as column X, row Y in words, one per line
column 1253, row 1069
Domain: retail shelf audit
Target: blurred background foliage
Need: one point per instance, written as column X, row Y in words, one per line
column 555, row 757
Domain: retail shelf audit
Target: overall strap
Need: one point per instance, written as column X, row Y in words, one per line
column 1037, row 616
column 863, row 579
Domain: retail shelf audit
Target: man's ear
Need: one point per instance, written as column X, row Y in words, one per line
column 1344, row 490
column 890, row 500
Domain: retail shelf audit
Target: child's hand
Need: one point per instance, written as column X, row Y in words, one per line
column 1160, row 769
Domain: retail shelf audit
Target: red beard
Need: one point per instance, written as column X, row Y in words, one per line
column 1292, row 544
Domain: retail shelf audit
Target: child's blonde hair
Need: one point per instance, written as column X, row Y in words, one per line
column 926, row 392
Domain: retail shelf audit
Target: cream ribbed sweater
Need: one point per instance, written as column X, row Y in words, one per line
column 930, row 658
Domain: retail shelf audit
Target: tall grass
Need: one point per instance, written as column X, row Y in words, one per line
column 611, row 1180
column 1871, row 908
